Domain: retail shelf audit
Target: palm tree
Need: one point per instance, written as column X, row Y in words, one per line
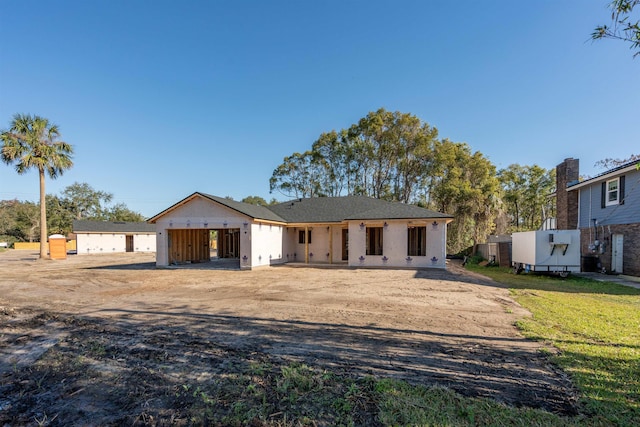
column 31, row 143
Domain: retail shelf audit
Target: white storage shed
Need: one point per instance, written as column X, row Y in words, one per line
column 549, row 251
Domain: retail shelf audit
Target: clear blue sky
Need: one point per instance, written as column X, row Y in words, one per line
column 164, row 98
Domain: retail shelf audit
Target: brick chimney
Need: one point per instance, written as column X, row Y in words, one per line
column 567, row 202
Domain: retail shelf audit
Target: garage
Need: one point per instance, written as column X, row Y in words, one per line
column 187, row 246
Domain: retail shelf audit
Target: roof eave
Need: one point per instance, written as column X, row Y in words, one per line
column 603, row 177
column 173, row 207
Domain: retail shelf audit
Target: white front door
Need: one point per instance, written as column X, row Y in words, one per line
column 616, row 253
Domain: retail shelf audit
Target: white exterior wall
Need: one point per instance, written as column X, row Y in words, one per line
column 100, row 243
column 202, row 214
column 94, row 243
column 289, row 244
column 266, row 245
column 144, row 242
column 436, row 245
column 319, row 247
column 321, row 240
column 336, row 231
column 394, row 241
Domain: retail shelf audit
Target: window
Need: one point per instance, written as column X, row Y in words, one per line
column 301, row 236
column 613, row 192
column 374, row 240
column 417, row 241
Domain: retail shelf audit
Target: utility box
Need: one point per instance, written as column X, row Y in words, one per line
column 548, row 251
column 57, row 246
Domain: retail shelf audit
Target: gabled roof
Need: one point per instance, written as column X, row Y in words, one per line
column 338, row 209
column 86, row 226
column 319, row 209
column 612, row 173
column 252, row 211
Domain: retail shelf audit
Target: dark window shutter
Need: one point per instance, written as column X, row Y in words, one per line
column 603, row 198
column 621, row 190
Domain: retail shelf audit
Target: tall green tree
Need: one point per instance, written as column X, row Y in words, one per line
column 539, row 204
column 396, row 156
column 331, row 155
column 297, row 176
column 19, row 221
column 625, row 24
column 84, row 202
column 393, row 152
column 464, row 184
column 120, row 212
column 255, row 200
column 513, row 180
column 378, row 153
column 32, row 143
column 385, row 155
column 526, row 194
column 28, row 220
column 59, row 218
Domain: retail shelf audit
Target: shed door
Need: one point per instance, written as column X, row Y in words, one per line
column 616, row 253
column 129, row 243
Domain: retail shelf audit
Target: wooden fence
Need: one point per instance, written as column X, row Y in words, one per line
column 35, row 246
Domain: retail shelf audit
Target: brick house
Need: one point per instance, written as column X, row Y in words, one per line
column 606, row 210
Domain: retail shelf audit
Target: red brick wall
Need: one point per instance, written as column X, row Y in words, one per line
column 631, row 246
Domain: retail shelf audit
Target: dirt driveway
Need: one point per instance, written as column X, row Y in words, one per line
column 450, row 328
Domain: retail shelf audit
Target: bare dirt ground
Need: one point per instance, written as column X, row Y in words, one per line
column 131, row 329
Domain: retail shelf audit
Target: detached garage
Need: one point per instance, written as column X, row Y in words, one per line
column 95, row 237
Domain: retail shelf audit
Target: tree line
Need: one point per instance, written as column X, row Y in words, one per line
column 20, row 220
column 397, row 157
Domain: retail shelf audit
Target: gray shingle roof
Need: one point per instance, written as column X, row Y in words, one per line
column 604, row 175
column 86, row 226
column 338, row 209
column 321, row 209
column 253, row 211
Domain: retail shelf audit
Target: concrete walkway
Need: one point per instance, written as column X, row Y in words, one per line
column 620, row 279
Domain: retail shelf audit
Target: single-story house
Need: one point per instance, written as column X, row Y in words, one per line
column 94, row 237
column 356, row 231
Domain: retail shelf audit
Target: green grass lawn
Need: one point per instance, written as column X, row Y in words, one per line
column 596, row 328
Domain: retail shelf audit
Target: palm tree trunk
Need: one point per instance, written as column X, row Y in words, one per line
column 43, row 218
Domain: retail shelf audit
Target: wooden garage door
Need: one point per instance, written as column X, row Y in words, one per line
column 188, row 246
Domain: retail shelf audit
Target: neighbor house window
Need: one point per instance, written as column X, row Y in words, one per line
column 417, row 241
column 613, row 192
column 301, row 236
column 374, row 240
